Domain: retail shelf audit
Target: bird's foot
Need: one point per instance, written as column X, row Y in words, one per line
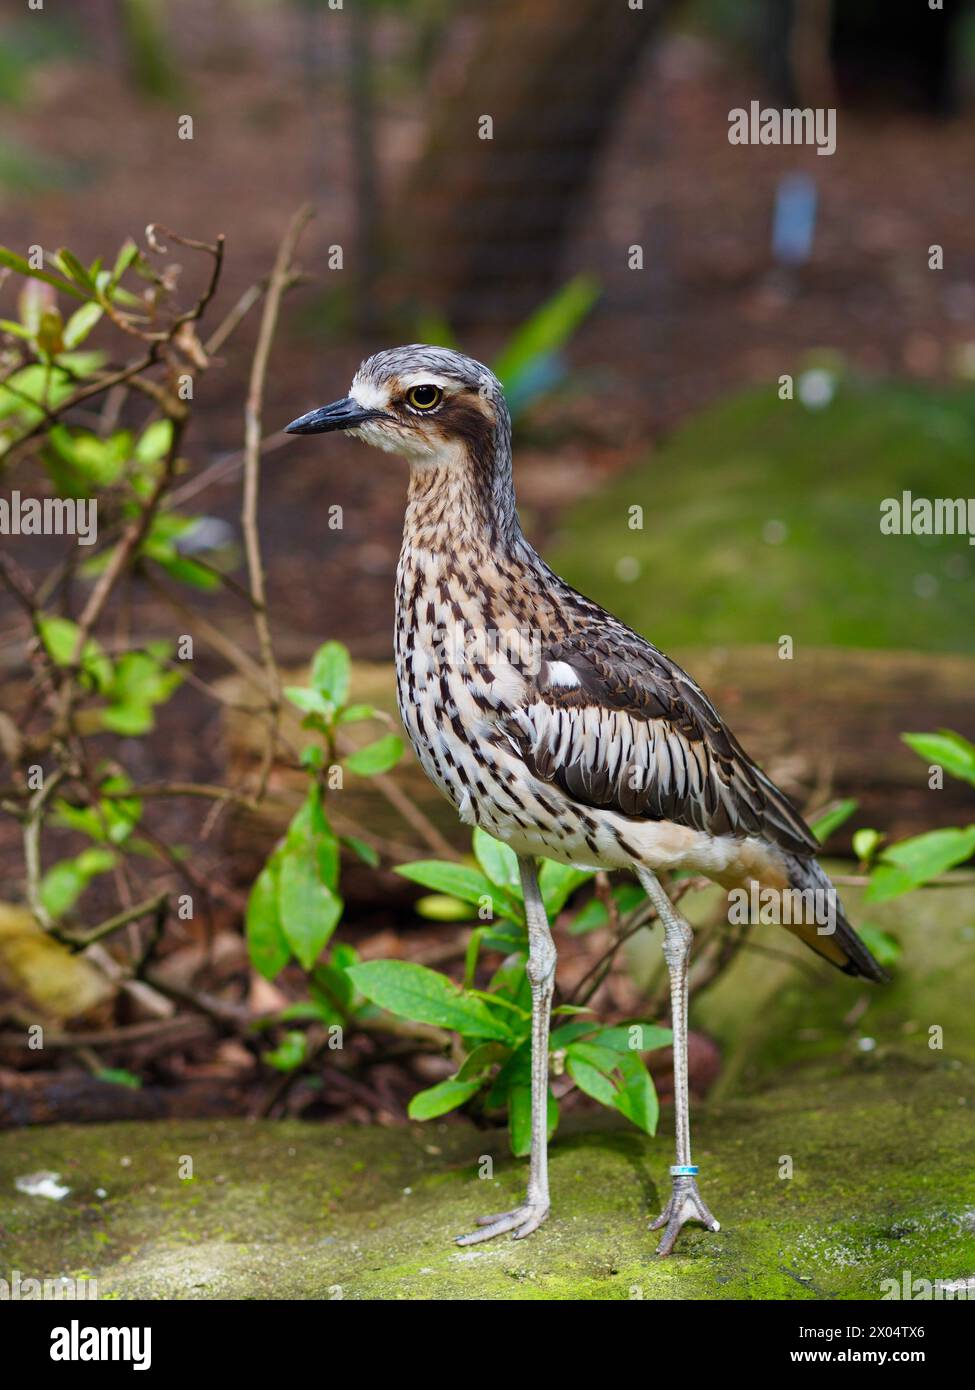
column 686, row 1204
column 521, row 1221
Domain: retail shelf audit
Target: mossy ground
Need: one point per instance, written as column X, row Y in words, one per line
column 881, row 1183
column 834, row 1075
column 762, row 517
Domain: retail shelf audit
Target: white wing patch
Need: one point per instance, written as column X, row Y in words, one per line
column 560, row 673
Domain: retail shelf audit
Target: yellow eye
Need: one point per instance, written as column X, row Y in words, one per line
column 424, row 397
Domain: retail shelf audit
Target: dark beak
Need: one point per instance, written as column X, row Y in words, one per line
column 340, row 415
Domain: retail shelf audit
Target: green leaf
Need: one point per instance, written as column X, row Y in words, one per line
column 622, row 1036
column 68, row 262
column 80, row 461
column 354, row 714
column 592, row 1080
column 439, row 1099
column 311, row 832
column 506, row 937
column 498, row 861
column 566, row 1033
column 331, row 986
column 64, row 883
column 60, row 638
column 888, row 882
column 309, row 701
column 918, row 860
column 520, row 1118
column 330, row 672
column 182, row 568
column 425, row 996
column 96, row 861
column 304, row 1011
column 593, row 914
column 882, row 946
column 946, row 749
column 438, row 907
column 118, row 1076
column 80, row 324
column 61, row 887
column 456, row 880
column 866, row 842
column 510, row 982
column 376, row 757
column 361, row 850
column 472, row 954
column 266, row 945
column 128, row 720
column 478, row 1062
column 557, row 882
column 127, row 254
column 154, row 442
column 309, row 910
column 290, row 1053
column 141, row 679
column 832, row 818
column 637, row 1099
column 22, row 267
column 604, row 1059
column 548, row 330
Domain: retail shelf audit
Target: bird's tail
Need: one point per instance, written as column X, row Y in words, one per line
column 826, row 929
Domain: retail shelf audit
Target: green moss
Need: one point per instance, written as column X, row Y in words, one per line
column 712, row 570
column 299, row 1211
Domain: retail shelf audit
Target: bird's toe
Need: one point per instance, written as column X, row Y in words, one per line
column 522, row 1221
column 686, row 1204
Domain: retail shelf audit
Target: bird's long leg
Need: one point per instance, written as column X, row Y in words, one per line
column 541, row 974
column 685, row 1202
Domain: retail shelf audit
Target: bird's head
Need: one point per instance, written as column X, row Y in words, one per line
column 430, row 405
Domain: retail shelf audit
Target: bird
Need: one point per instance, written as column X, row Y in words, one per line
column 559, row 730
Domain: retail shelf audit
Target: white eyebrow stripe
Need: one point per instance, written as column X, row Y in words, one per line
column 370, row 396
column 424, row 378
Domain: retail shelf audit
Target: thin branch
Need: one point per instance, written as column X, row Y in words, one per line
column 33, row 822
column 112, row 924
column 253, row 411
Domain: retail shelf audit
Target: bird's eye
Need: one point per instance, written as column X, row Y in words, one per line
column 424, row 397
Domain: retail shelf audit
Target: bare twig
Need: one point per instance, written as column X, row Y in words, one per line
column 33, row 821
column 112, row 924
column 253, row 410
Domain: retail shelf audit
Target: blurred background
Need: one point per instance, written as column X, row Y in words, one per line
column 682, row 275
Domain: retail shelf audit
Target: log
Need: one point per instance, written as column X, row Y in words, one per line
column 41, row 1098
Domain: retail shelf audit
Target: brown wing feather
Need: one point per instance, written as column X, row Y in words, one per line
column 627, row 729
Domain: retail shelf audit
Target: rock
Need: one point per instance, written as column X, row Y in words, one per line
column 880, row 1185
